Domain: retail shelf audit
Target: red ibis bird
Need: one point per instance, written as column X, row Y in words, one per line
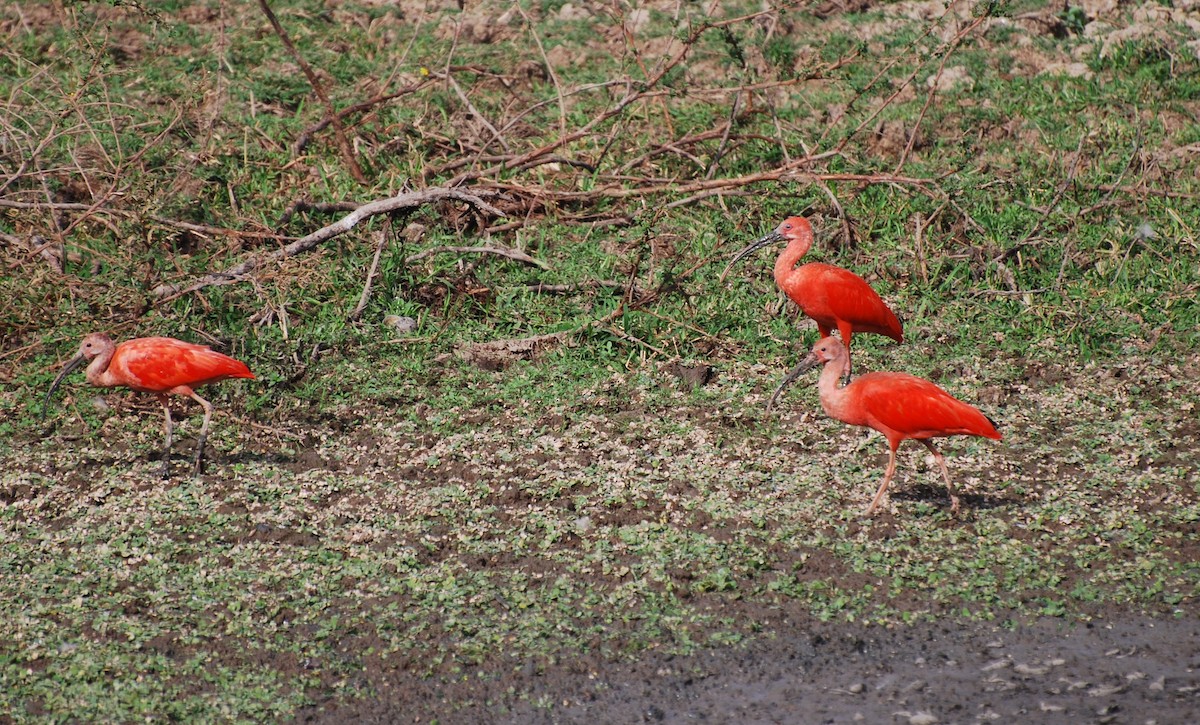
column 833, row 297
column 160, row 365
column 898, row 405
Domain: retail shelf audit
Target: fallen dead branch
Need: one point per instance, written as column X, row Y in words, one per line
column 125, row 214
column 591, row 285
column 365, row 297
column 304, row 139
column 514, row 254
column 401, row 202
column 300, row 205
column 499, row 354
column 635, row 91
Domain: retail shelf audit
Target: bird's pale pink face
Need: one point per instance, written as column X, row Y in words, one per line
column 825, row 351
column 93, row 345
column 828, row 349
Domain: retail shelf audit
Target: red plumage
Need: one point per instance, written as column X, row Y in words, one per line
column 898, row 405
column 160, row 365
column 833, row 297
column 902, row 406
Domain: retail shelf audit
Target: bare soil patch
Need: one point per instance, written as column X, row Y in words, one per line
column 1125, row 669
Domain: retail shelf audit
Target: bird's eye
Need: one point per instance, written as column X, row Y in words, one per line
column 787, row 226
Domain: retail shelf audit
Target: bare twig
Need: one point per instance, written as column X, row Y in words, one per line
column 189, row 226
column 526, row 346
column 950, row 47
column 562, row 106
column 635, row 91
column 306, row 136
column 543, row 288
column 514, row 254
column 496, row 136
column 787, row 172
column 1062, row 266
column 707, row 193
column 1165, row 193
column 843, row 220
column 733, row 115
column 634, row 339
column 334, row 119
column 1058, row 195
column 300, row 205
column 383, row 235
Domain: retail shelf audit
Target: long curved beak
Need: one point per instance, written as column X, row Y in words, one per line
column 72, row 364
column 808, row 362
column 771, row 238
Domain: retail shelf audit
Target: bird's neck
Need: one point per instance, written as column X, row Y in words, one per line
column 795, row 250
column 833, row 397
column 97, row 370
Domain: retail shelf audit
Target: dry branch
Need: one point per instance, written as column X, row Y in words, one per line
column 338, row 132
column 634, row 91
column 366, row 293
column 514, row 254
column 97, row 210
column 401, row 202
column 324, row 207
column 306, row 137
column 499, row 353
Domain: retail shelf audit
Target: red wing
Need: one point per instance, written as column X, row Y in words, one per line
column 838, row 294
column 917, row 408
column 163, row 363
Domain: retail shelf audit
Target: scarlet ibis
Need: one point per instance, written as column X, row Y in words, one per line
column 898, row 405
column 831, row 296
column 159, row 365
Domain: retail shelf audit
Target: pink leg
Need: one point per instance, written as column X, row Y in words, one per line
column 846, row 332
column 887, row 478
column 208, row 411
column 941, row 461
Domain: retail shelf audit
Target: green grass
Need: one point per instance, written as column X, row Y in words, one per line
column 386, row 505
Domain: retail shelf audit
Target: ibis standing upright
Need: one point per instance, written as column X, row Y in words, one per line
column 160, row 365
column 833, row 297
column 898, row 405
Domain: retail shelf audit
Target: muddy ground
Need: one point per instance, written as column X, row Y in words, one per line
column 1121, row 670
